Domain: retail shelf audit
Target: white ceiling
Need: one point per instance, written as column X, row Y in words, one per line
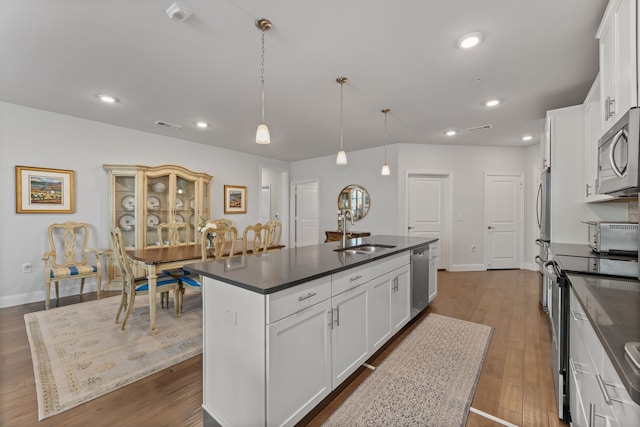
column 537, row 55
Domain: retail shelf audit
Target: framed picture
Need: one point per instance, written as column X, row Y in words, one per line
column 235, row 199
column 43, row 190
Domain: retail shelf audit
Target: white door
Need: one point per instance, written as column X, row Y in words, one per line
column 307, row 225
column 503, row 217
column 428, row 199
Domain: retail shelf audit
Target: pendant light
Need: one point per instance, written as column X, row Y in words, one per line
column 262, row 133
column 385, row 167
column 342, row 155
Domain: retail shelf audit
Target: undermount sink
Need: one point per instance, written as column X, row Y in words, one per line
column 367, row 248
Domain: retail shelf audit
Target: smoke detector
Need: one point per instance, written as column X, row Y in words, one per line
column 178, row 13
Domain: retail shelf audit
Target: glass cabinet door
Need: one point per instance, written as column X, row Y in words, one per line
column 125, row 207
column 159, row 205
column 185, row 207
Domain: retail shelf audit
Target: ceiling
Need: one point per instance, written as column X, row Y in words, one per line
column 535, row 56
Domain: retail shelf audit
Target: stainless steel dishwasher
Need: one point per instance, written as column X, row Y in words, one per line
column 419, row 279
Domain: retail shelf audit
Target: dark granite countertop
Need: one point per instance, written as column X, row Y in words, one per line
column 613, row 308
column 274, row 271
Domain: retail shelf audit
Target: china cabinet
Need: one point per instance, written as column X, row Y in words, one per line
column 141, row 197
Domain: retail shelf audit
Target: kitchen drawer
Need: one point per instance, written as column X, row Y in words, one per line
column 626, row 411
column 385, row 265
column 296, row 298
column 582, row 326
column 348, row 279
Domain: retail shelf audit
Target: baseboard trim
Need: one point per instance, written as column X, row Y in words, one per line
column 531, row 266
column 467, row 267
column 29, row 297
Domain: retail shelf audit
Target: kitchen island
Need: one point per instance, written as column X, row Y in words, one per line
column 282, row 329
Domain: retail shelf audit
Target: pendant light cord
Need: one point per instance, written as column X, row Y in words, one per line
column 262, row 77
column 385, row 136
column 341, row 102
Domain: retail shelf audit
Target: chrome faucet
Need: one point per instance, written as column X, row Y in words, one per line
column 343, row 217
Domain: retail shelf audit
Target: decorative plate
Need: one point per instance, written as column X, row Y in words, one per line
column 153, row 202
column 152, row 221
column 158, row 187
column 179, row 203
column 179, row 219
column 192, row 203
column 126, row 222
column 128, row 203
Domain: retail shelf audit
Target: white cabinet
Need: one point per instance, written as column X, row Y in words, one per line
column 349, row 337
column 618, row 60
column 592, row 133
column 389, row 306
column 433, row 270
column 298, row 380
column 597, row 396
column 269, row 359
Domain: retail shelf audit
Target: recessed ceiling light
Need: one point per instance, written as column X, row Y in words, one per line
column 450, row 132
column 202, row 125
column 527, row 138
column 108, row 99
column 492, row 102
column 469, row 40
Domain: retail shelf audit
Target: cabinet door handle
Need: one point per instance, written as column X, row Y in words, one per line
column 331, row 320
column 354, row 278
column 587, row 190
column 612, row 107
column 338, row 316
column 309, row 295
column 603, row 390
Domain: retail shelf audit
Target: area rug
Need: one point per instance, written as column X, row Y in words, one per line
column 428, row 380
column 79, row 353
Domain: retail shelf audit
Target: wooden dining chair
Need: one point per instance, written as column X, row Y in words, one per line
column 173, row 234
column 69, row 257
column 275, row 233
column 132, row 286
column 255, row 238
column 223, row 245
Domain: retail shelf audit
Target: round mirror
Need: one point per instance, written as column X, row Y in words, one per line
column 354, row 198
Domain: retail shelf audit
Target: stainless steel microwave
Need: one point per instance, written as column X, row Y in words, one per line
column 619, row 155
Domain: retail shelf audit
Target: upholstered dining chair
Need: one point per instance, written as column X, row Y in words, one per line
column 69, row 257
column 275, row 233
column 255, row 238
column 132, row 286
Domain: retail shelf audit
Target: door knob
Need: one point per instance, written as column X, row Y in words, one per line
column 410, row 228
column 490, row 227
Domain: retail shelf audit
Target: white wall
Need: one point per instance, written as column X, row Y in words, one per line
column 467, row 164
column 363, row 169
column 31, row 137
column 388, row 213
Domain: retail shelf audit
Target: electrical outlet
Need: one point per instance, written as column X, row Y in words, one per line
column 473, row 248
column 27, row 267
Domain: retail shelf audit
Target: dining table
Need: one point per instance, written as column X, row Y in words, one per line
column 153, row 260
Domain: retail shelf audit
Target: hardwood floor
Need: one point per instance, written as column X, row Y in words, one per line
column 515, row 384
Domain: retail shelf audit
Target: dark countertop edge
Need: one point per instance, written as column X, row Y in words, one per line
column 372, row 257
column 632, row 387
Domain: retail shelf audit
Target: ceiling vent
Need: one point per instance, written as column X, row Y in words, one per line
column 481, row 127
column 168, row 125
